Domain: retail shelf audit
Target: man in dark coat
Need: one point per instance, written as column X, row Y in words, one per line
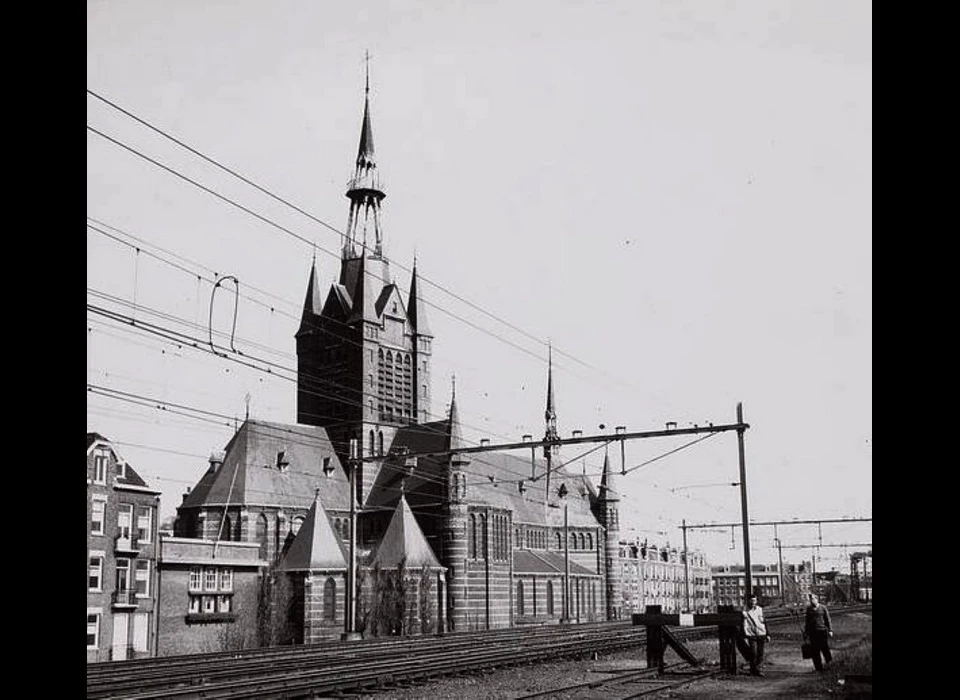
column 818, row 630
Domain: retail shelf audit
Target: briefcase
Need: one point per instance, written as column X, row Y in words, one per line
column 806, row 650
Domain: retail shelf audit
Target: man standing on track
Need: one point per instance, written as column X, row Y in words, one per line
column 755, row 630
column 818, row 629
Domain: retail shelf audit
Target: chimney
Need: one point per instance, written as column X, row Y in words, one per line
column 216, row 460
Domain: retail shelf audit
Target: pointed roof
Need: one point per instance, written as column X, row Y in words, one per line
column 456, row 436
column 551, row 411
column 608, row 483
column 404, row 538
column 316, row 546
column 415, row 308
column 365, row 154
column 312, row 303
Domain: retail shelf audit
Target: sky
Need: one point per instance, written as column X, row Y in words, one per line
column 675, row 195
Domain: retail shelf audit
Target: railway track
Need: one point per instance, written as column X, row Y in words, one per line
column 338, row 667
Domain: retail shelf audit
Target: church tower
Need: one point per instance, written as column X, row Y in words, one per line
column 455, row 522
column 608, row 505
column 363, row 357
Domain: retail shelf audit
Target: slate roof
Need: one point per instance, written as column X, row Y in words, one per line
column 526, row 561
column 250, row 474
column 404, row 539
column 416, row 310
column 316, row 545
column 93, row 437
column 491, row 479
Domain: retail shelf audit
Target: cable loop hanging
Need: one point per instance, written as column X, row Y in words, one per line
column 236, row 305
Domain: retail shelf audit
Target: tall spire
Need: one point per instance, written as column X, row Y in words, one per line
column 608, row 483
column 363, row 189
column 550, row 415
column 551, row 412
column 312, row 304
column 416, row 311
column 456, row 436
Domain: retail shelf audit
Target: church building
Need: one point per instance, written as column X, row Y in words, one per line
column 484, row 539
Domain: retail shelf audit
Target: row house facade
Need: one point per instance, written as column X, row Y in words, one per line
column 664, row 576
column 122, row 533
column 730, row 583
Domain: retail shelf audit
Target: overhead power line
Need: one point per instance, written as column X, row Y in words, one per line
column 617, row 382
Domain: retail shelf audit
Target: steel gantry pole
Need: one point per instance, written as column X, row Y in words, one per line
column 349, row 623
column 743, row 502
column 686, row 570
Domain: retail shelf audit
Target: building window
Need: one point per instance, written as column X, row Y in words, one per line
column 194, row 604
column 100, row 458
column 123, row 574
column 97, row 517
column 472, row 537
column 195, row 579
column 329, row 599
column 93, row 630
column 262, row 531
column 140, row 623
column 520, row 597
column 144, row 523
column 143, row 578
column 549, row 597
column 95, row 582
column 297, row 522
column 380, row 442
column 210, row 578
column 223, row 603
column 209, row 604
column 124, row 521
column 559, row 541
column 226, row 579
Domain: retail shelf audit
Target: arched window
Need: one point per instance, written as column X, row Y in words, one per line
column 472, row 537
column 549, row 597
column 297, row 522
column 373, row 445
column 583, row 541
column 573, row 540
column 559, row 541
column 589, row 541
column 330, row 600
column 520, row 597
column 380, row 443
column 278, row 534
column 262, row 534
column 484, row 536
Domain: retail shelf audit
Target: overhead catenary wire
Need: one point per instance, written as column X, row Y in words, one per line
column 302, row 239
column 213, row 281
column 343, row 235
column 302, row 436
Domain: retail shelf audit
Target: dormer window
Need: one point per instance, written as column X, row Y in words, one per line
column 394, row 307
column 100, row 459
